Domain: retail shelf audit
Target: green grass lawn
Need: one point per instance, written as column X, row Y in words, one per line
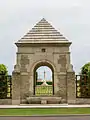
column 43, row 111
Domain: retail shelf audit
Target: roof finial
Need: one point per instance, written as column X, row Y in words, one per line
column 43, row 19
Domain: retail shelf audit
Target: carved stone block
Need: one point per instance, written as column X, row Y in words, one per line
column 24, row 61
column 62, row 62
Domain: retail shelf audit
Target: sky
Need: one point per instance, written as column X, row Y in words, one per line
column 69, row 17
column 44, row 73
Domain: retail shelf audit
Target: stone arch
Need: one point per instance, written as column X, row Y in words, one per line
column 43, row 63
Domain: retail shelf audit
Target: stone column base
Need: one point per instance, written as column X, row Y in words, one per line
column 15, row 102
column 71, row 101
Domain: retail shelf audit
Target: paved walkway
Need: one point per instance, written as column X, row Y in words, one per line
column 47, row 118
column 44, row 106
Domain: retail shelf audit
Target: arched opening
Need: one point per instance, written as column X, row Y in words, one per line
column 43, row 80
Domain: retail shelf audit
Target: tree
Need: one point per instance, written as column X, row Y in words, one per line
column 3, row 69
column 85, row 84
column 86, row 69
column 3, row 81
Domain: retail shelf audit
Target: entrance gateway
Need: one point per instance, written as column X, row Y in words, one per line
column 43, row 46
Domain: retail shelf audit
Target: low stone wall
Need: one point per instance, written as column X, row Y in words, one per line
column 44, row 100
column 79, row 101
column 82, row 101
column 5, row 101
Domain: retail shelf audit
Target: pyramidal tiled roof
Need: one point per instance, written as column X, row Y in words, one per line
column 43, row 32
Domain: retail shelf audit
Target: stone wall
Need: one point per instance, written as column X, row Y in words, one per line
column 44, row 100
column 5, row 101
column 82, row 101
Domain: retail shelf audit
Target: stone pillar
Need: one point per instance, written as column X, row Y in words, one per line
column 31, row 84
column 56, row 88
column 16, row 87
column 62, row 87
column 71, row 90
column 24, row 89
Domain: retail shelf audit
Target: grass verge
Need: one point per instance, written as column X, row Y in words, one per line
column 43, row 111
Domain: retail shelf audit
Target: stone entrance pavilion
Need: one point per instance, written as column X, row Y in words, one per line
column 43, row 46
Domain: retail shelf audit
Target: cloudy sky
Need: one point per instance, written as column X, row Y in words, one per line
column 44, row 73
column 70, row 17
